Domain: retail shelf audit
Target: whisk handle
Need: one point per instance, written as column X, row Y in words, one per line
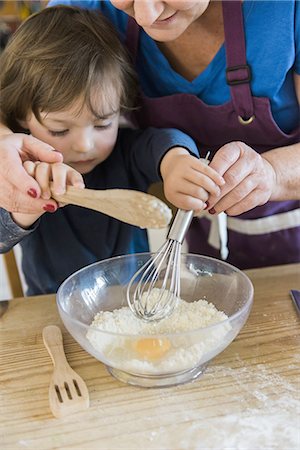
column 180, row 225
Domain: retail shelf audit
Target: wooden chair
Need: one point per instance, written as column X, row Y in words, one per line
column 13, row 274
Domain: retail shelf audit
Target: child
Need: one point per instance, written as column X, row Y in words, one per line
column 65, row 78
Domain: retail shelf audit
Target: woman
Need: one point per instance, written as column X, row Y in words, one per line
column 238, row 100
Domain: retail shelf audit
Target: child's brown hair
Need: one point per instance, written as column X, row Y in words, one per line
column 58, row 55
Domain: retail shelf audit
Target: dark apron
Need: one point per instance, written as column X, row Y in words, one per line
column 244, row 118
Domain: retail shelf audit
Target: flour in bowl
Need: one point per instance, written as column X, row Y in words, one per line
column 177, row 343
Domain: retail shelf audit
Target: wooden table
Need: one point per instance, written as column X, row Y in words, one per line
column 247, row 398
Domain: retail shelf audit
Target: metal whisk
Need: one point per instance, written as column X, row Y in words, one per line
column 153, row 290
column 158, row 281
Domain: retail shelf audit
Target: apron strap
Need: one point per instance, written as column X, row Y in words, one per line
column 132, row 38
column 238, row 72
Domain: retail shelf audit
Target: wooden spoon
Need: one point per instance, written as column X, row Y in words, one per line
column 133, row 207
column 67, row 391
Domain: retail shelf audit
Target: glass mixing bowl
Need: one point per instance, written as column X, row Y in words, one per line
column 154, row 360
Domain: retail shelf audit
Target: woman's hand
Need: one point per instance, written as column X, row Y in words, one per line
column 249, row 179
column 188, row 181
column 20, row 192
column 51, row 178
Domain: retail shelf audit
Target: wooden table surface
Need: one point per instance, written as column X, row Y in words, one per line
column 247, row 398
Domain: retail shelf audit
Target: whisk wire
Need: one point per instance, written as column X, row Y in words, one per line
column 149, row 271
column 153, row 276
column 160, row 275
column 166, row 303
column 163, row 300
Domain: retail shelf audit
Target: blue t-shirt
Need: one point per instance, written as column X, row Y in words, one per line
column 272, row 32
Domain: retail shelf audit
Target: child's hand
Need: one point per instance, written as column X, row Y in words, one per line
column 188, row 181
column 58, row 175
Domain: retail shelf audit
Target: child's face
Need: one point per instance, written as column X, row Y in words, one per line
column 84, row 139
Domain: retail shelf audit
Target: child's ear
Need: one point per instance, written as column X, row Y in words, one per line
column 23, row 124
column 24, row 128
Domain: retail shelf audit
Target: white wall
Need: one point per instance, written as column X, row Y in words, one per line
column 4, row 288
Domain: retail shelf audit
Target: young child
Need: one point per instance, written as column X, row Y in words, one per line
column 65, row 78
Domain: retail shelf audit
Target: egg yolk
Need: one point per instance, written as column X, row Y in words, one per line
column 151, row 348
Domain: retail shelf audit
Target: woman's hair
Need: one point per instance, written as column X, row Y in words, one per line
column 61, row 54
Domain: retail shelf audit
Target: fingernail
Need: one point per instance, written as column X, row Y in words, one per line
column 60, row 191
column 49, row 208
column 207, row 205
column 212, row 211
column 32, row 193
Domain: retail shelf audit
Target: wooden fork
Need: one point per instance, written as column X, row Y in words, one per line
column 68, row 392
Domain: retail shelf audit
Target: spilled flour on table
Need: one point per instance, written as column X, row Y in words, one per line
column 164, row 346
column 264, row 414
